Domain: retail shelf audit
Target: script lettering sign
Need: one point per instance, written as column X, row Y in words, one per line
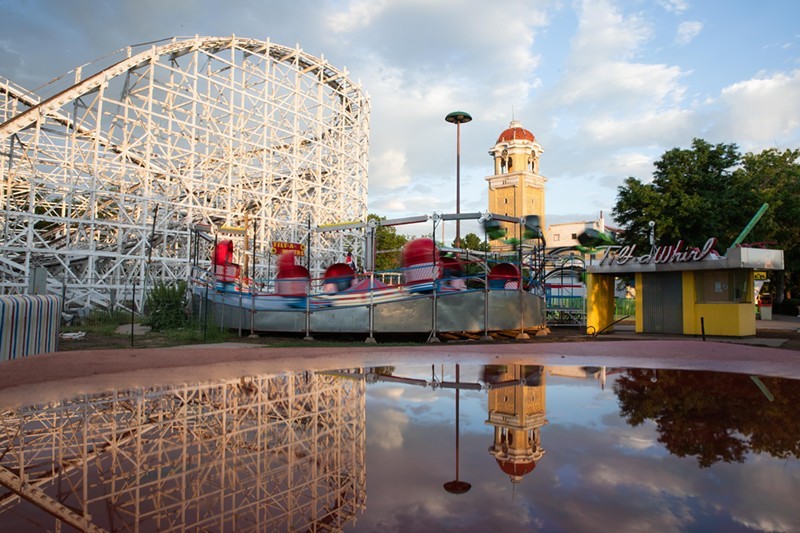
column 672, row 253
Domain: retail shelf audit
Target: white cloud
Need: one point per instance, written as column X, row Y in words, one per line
column 358, row 14
column 687, row 31
column 632, row 164
column 647, row 126
column 762, row 109
column 603, row 76
column 604, row 34
column 623, row 86
column 388, row 170
column 674, row 6
column 611, row 114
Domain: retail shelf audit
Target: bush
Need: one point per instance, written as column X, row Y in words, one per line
column 166, row 306
column 789, row 306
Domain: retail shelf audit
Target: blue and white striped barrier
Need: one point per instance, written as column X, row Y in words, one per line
column 28, row 325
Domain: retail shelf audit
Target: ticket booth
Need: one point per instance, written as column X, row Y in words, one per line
column 681, row 291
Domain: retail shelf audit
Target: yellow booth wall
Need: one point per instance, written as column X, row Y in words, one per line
column 720, row 319
column 601, row 303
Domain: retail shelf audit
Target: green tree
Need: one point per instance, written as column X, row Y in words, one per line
column 713, row 191
column 774, row 177
column 470, row 241
column 388, row 245
column 695, row 194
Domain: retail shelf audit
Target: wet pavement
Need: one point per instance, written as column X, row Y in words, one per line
column 40, row 378
column 789, row 324
column 624, row 425
column 475, row 447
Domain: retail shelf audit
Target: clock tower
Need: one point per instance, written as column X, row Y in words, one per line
column 516, row 188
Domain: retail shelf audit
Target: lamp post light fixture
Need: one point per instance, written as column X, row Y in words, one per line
column 458, row 118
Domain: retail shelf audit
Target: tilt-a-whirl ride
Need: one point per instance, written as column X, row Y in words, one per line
column 435, row 291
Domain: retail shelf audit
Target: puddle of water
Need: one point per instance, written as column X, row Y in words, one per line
column 534, row 447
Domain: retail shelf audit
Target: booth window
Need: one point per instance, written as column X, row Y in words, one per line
column 723, row 286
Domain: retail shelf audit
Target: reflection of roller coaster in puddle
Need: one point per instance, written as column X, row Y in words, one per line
column 268, row 453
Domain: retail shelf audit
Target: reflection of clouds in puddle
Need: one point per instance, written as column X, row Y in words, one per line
column 637, row 491
column 579, row 401
column 771, row 490
column 597, row 470
column 669, row 493
column 409, row 393
column 637, row 443
column 635, row 440
column 423, row 404
column 386, row 429
column 392, row 393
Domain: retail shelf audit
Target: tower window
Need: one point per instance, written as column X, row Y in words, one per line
column 510, row 163
column 505, row 200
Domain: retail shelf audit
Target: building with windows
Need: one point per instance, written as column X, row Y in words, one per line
column 566, row 234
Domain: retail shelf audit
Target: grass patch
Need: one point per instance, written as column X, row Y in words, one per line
column 99, row 323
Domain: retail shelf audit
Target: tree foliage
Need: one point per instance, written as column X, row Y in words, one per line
column 695, row 194
column 388, row 245
column 470, row 241
column 713, row 191
column 774, row 177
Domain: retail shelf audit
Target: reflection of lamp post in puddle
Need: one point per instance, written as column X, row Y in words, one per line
column 457, row 486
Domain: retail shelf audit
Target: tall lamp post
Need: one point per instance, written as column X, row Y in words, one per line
column 458, row 118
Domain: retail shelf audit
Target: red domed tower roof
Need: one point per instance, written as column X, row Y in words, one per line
column 516, row 470
column 514, row 132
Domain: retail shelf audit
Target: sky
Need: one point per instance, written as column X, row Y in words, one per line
column 606, row 86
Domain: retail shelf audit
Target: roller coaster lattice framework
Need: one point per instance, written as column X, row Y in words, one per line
column 102, row 181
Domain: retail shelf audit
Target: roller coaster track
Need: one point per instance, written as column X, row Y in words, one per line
column 225, row 131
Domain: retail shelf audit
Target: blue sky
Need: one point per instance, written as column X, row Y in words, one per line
column 606, row 86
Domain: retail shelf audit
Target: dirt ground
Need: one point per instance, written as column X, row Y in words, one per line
column 99, row 363
column 785, row 335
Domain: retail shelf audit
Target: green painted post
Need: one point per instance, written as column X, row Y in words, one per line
column 750, row 225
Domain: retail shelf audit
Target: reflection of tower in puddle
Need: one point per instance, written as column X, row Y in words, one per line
column 517, row 412
column 267, row 453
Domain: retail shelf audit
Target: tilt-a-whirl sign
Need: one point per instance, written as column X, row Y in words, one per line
column 672, row 253
column 279, row 247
